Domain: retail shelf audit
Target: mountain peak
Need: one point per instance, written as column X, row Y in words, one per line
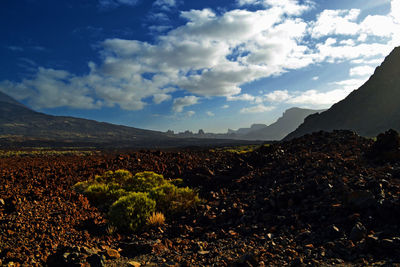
column 371, row 109
column 4, row 98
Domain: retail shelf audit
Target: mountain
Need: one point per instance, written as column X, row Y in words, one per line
column 19, row 121
column 9, row 100
column 369, row 110
column 244, row 131
column 22, row 126
column 289, row 121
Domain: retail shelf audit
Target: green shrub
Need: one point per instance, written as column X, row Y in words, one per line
column 144, row 181
column 130, row 199
column 97, row 193
column 119, row 177
column 81, row 187
column 131, row 211
column 171, row 199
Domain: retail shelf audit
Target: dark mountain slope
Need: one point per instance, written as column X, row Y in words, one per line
column 373, row 108
column 16, row 119
column 289, row 121
column 23, row 127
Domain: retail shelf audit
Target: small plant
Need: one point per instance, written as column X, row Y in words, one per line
column 156, row 219
column 111, row 229
column 131, row 211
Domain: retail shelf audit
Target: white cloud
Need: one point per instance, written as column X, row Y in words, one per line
column 159, row 28
column 335, row 22
column 395, row 10
column 291, row 7
column 190, row 113
column 48, row 89
column 159, row 98
column 334, row 53
column 314, row 98
column 166, row 4
column 349, row 42
column 214, row 54
column 210, row 114
column 362, row 71
column 242, row 97
column 225, row 106
column 181, row 102
column 277, row 96
column 382, row 26
column 315, row 78
column 367, row 61
column 256, row 109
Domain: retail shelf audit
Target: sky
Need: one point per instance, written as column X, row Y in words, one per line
column 190, row 65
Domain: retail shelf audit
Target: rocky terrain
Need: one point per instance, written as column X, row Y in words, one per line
column 320, row 200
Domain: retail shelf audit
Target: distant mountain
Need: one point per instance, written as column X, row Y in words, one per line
column 9, row 100
column 244, row 131
column 22, row 126
column 18, row 120
column 289, row 121
column 369, row 110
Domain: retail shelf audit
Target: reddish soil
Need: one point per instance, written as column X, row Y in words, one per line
column 322, row 199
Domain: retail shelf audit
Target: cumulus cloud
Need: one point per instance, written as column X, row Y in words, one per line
column 210, row 114
column 395, row 10
column 48, row 89
column 277, row 96
column 159, row 98
column 242, row 97
column 335, row 22
column 256, row 109
column 181, row 102
column 214, row 54
column 190, row 113
column 292, row 7
column 362, row 71
column 165, row 4
column 315, row 98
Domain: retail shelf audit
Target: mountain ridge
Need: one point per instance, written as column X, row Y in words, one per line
column 285, row 124
column 21, row 126
column 369, row 110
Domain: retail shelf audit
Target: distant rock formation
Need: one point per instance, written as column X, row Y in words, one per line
column 369, row 110
column 244, row 131
column 289, row 121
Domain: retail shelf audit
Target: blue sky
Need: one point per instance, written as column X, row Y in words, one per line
column 180, row 64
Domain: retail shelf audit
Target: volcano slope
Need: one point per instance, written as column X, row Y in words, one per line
column 322, row 199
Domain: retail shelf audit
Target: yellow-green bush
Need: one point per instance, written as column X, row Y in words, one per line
column 129, row 198
column 144, row 181
column 171, row 199
column 97, row 192
column 131, row 211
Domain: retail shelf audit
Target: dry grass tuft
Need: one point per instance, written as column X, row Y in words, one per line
column 156, row 219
